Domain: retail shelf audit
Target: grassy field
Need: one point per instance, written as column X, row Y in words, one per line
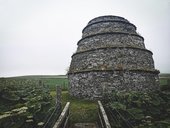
column 38, row 76
column 164, row 81
column 80, row 110
column 51, row 80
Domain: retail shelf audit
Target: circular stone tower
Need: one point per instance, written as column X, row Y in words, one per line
column 111, row 56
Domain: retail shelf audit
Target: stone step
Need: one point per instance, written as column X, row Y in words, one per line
column 84, row 125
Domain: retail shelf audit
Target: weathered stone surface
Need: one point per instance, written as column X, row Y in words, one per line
column 90, row 85
column 110, row 40
column 107, row 18
column 112, row 59
column 111, row 56
column 110, row 26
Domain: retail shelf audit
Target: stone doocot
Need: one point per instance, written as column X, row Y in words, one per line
column 111, row 56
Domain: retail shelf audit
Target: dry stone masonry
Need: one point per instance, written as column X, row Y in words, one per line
column 111, row 56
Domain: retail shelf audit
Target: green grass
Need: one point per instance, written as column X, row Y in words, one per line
column 164, row 78
column 81, row 111
column 37, row 76
column 163, row 81
column 164, row 75
column 53, row 82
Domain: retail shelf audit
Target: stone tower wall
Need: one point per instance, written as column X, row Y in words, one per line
column 104, row 59
column 92, row 84
column 111, row 56
column 110, row 40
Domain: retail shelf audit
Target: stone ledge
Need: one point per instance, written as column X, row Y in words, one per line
column 124, row 33
column 105, row 48
column 121, row 70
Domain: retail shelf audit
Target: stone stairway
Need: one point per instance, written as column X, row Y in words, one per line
column 84, row 125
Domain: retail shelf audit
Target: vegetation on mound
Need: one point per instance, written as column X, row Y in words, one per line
column 138, row 110
column 24, row 103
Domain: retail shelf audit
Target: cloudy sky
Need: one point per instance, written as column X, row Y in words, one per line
column 39, row 36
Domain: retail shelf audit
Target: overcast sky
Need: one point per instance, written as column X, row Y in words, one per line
column 39, row 36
